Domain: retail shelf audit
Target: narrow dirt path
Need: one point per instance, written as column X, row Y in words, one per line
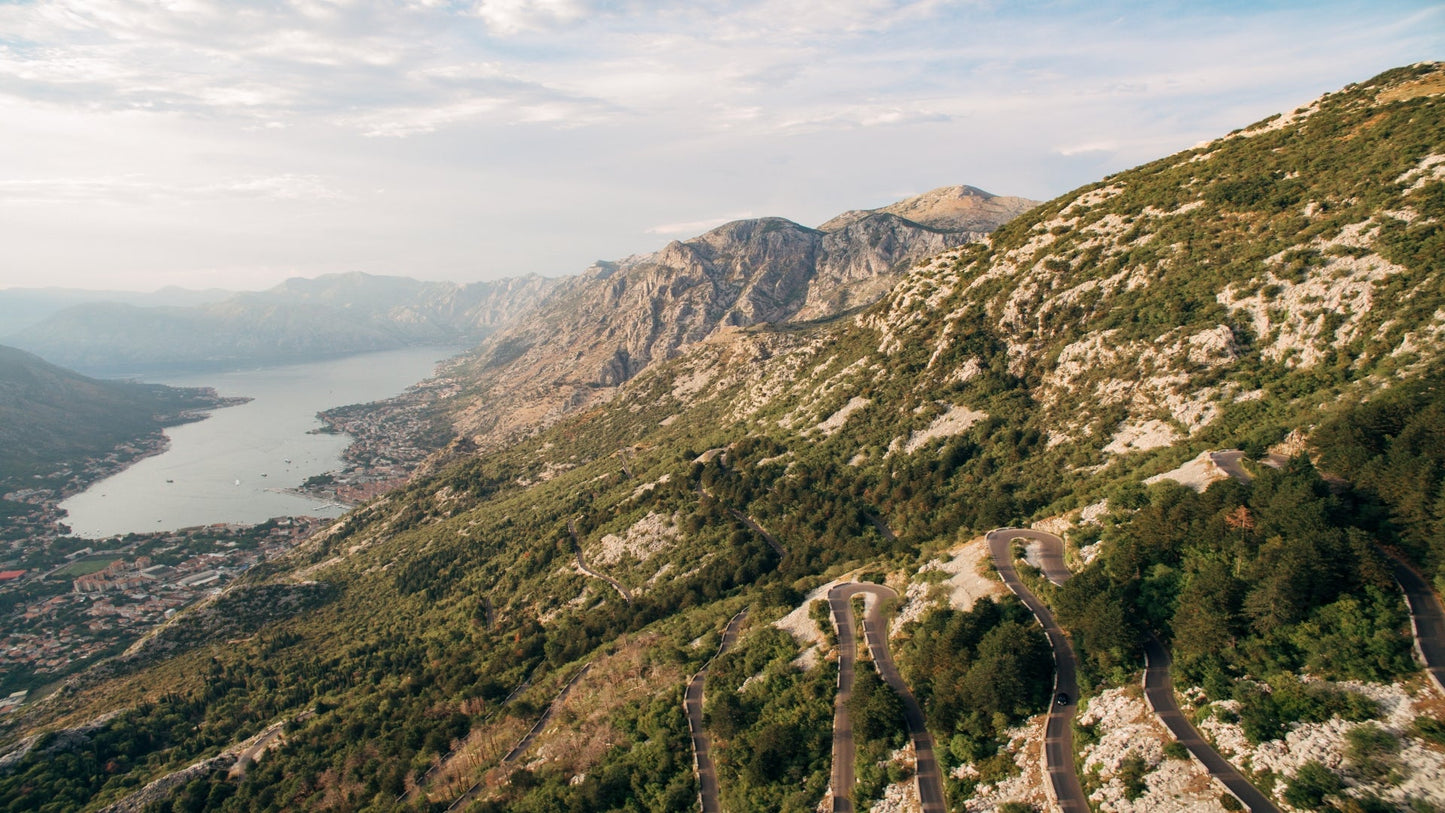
column 581, row 563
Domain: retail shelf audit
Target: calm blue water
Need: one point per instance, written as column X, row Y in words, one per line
column 232, row 466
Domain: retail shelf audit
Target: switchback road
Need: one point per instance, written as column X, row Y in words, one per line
column 526, row 741
column 1231, row 462
column 751, row 523
column 1158, row 686
column 1159, row 692
column 707, row 787
column 1058, row 732
column 875, row 629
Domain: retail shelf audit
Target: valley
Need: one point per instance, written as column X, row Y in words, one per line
column 1188, row 414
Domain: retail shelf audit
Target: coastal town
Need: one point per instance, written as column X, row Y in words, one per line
column 68, row 602
column 391, row 440
column 101, row 598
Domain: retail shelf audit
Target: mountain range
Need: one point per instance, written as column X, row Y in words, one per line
column 596, row 331
column 298, row 320
column 740, row 421
column 853, row 257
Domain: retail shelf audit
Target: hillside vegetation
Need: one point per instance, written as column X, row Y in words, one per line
column 1285, row 277
column 52, row 418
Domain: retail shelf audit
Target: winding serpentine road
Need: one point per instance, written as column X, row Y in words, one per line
column 707, row 787
column 1159, row 692
column 748, row 521
column 1230, row 461
column 577, row 549
column 1158, row 685
column 1427, row 620
column 930, row 781
column 1058, row 732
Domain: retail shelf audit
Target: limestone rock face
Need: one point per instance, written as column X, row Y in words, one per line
column 595, row 331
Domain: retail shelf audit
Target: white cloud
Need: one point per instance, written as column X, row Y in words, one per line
column 132, row 189
column 507, row 17
column 279, row 187
column 1082, row 149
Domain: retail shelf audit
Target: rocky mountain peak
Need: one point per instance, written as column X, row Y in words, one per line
column 950, row 208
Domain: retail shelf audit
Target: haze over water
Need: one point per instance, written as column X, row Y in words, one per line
column 234, row 465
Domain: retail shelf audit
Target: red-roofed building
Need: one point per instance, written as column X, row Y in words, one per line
column 10, row 575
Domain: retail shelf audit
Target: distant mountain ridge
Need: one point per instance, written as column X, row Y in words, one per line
column 298, row 320
column 741, row 273
column 22, row 307
column 951, row 208
column 1252, row 290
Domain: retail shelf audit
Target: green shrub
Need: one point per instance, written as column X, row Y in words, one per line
column 1311, row 784
column 1131, row 773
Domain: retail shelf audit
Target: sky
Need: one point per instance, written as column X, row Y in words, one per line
column 234, row 144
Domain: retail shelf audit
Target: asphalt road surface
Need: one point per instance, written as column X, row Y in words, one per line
column 707, row 788
column 875, row 629
column 1230, row 461
column 1058, row 733
column 1426, row 617
column 1159, row 691
column 760, row 531
column 526, row 741
column 751, row 523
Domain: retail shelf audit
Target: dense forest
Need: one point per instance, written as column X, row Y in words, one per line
column 1392, row 451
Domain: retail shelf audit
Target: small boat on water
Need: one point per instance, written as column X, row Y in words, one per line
column 238, row 482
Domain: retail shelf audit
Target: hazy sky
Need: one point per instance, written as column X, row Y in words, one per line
column 233, row 144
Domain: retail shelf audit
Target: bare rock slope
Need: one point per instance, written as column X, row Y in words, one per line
column 596, row 331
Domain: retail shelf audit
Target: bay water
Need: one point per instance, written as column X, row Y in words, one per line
column 236, row 464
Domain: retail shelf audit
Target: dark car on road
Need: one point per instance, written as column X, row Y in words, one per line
column 1062, row 699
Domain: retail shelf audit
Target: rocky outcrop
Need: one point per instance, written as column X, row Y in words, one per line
column 161, row 789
